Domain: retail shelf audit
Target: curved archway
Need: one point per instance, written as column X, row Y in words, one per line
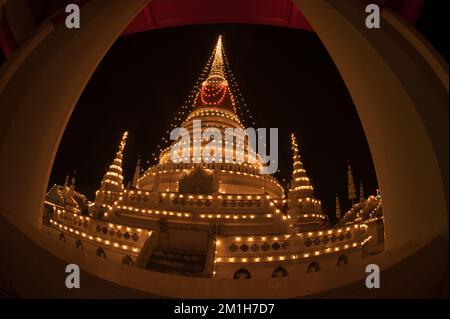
column 242, row 273
column 100, row 252
column 280, row 271
column 57, row 56
column 127, row 260
column 342, row 260
column 404, row 130
column 79, row 244
column 313, row 267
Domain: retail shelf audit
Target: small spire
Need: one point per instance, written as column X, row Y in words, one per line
column 294, row 146
column 338, row 208
column 299, row 181
column 66, row 182
column 361, row 191
column 119, row 154
column 137, row 173
column 72, row 181
column 123, row 142
column 351, row 184
column 113, row 179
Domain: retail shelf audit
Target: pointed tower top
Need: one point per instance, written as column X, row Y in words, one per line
column 338, row 208
column 137, row 173
column 351, row 183
column 113, row 179
column 66, row 181
column 72, row 183
column 215, row 91
column 217, row 67
column 294, row 142
column 361, row 191
column 123, row 142
column 119, row 154
column 299, row 181
column 301, row 193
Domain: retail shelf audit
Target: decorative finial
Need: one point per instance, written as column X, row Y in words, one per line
column 299, row 181
column 73, row 177
column 66, row 182
column 72, row 182
column 361, row 191
column 137, row 173
column 217, row 67
column 338, row 208
column 113, row 178
column 351, row 184
column 123, row 142
column 294, row 147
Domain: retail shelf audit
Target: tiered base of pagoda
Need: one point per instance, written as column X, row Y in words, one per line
column 33, row 265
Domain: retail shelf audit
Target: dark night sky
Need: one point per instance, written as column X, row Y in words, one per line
column 287, row 78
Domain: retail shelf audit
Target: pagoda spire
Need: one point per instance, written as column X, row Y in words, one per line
column 215, row 90
column 299, row 181
column 301, row 200
column 338, row 208
column 351, row 184
column 72, row 182
column 66, row 181
column 217, row 66
column 137, row 173
column 113, row 179
column 361, row 191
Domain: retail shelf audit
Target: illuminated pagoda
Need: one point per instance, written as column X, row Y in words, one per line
column 303, row 206
column 201, row 216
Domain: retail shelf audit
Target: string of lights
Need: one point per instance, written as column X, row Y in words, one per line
column 184, row 110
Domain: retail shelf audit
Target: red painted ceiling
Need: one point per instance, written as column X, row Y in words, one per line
column 169, row 13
